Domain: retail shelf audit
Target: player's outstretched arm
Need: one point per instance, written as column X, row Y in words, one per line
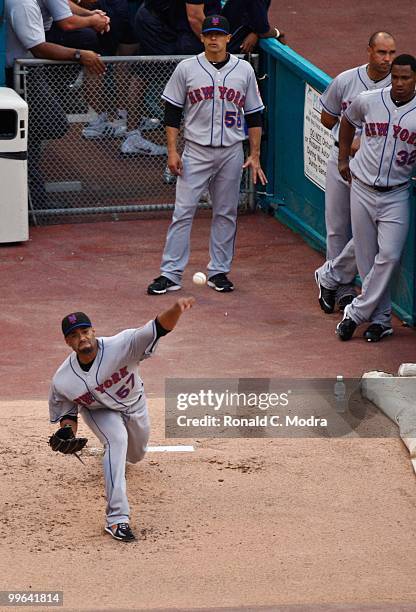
column 170, row 317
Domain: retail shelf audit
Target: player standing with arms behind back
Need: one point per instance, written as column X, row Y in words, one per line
column 218, row 93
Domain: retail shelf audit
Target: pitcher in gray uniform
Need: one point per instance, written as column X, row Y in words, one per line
column 220, row 96
column 379, row 175
column 100, row 380
column 335, row 100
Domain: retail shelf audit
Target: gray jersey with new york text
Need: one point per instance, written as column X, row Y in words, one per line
column 215, row 101
column 345, row 88
column 387, row 153
column 112, row 382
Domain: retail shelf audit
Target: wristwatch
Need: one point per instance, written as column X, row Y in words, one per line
column 77, row 55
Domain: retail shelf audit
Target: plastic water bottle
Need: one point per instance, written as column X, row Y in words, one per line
column 168, row 177
column 340, row 392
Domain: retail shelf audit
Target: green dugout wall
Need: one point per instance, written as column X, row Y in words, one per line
column 294, row 145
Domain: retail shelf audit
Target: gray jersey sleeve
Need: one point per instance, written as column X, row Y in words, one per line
column 253, row 102
column 343, row 90
column 175, row 90
column 143, row 341
column 54, row 10
column 355, row 112
column 60, row 406
column 331, row 99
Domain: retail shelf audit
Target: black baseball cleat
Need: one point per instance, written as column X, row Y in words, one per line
column 220, row 282
column 345, row 301
column 121, row 532
column 376, row 332
column 161, row 284
column 326, row 296
column 346, row 328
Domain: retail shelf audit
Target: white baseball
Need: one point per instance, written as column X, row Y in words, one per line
column 199, row 278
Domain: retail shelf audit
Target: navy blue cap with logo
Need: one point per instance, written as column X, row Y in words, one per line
column 215, row 23
column 74, row 320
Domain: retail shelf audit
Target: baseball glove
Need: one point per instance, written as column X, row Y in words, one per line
column 65, row 442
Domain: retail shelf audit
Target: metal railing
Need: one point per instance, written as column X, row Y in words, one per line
column 97, row 144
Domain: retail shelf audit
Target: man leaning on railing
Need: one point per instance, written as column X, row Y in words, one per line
column 26, row 39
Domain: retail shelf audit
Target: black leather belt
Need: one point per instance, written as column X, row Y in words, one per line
column 377, row 187
column 384, row 189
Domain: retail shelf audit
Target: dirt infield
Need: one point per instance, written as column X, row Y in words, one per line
column 237, row 522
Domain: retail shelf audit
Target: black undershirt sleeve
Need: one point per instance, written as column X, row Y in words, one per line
column 173, row 115
column 160, row 330
column 254, row 119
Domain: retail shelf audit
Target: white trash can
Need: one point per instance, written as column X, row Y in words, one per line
column 14, row 223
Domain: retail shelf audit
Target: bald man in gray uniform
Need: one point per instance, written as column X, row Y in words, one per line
column 335, row 101
column 219, row 93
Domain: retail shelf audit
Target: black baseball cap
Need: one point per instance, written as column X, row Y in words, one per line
column 73, row 320
column 215, row 23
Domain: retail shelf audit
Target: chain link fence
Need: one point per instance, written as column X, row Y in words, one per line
column 97, row 147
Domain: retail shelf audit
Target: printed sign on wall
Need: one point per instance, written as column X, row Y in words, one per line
column 317, row 140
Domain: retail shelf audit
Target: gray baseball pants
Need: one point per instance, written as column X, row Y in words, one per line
column 124, row 436
column 379, row 224
column 216, row 168
column 338, row 219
